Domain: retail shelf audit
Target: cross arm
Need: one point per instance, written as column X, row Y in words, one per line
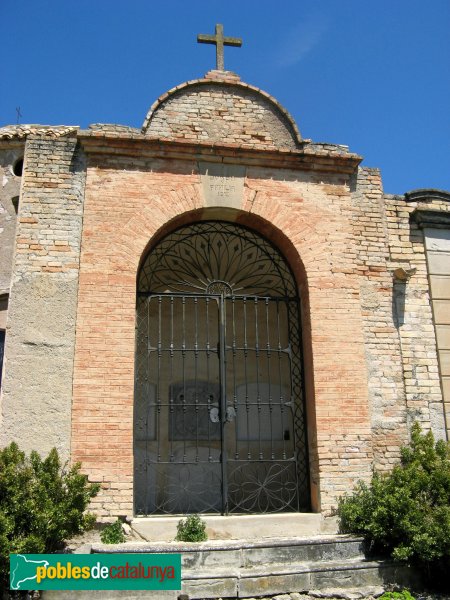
column 212, row 39
column 206, row 39
column 231, row 41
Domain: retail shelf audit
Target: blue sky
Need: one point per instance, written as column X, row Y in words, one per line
column 372, row 74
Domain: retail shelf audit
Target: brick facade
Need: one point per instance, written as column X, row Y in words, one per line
column 94, row 202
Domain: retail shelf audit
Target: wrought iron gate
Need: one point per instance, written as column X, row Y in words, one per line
column 219, row 416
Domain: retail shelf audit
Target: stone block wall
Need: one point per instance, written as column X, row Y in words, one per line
column 437, row 244
column 416, row 324
column 382, row 343
column 398, row 324
column 10, row 177
column 37, row 388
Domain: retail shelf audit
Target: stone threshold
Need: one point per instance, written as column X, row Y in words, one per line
column 239, row 527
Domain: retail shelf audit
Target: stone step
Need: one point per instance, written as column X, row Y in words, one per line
column 274, row 579
column 243, row 569
column 245, row 554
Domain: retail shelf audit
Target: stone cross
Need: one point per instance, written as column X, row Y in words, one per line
column 220, row 42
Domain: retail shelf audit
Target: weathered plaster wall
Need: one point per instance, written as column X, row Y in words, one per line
column 9, row 189
column 37, row 389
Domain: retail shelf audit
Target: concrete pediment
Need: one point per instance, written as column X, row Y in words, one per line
column 221, row 109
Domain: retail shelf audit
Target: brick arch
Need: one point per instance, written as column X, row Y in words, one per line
column 275, row 224
column 152, row 218
column 308, row 251
column 277, row 212
column 291, row 254
column 250, row 220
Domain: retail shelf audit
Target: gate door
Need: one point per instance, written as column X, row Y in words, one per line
column 219, row 417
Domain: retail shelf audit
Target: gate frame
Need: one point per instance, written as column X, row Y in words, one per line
column 222, row 341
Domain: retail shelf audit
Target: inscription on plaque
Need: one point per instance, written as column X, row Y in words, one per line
column 223, row 185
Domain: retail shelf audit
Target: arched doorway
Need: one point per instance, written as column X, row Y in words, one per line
column 219, row 421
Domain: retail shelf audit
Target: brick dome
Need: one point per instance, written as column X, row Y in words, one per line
column 221, row 109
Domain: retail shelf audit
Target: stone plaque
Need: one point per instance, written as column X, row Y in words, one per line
column 223, row 185
column 437, row 239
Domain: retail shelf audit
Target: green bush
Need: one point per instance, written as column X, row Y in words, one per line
column 41, row 504
column 192, row 529
column 403, row 595
column 113, row 533
column 406, row 513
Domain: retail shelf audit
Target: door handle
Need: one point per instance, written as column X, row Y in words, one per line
column 214, row 414
column 230, row 414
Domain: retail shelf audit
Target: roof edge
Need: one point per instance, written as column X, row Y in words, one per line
column 9, row 132
column 310, row 158
column 427, row 194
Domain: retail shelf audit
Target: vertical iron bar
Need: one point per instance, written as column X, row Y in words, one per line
column 183, row 368
column 208, row 387
column 154, row 467
column 280, row 377
column 258, row 394
column 196, row 375
column 268, row 354
column 247, row 407
column 235, row 402
column 223, row 403
column 158, row 388
column 299, row 408
column 147, row 369
column 171, row 399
